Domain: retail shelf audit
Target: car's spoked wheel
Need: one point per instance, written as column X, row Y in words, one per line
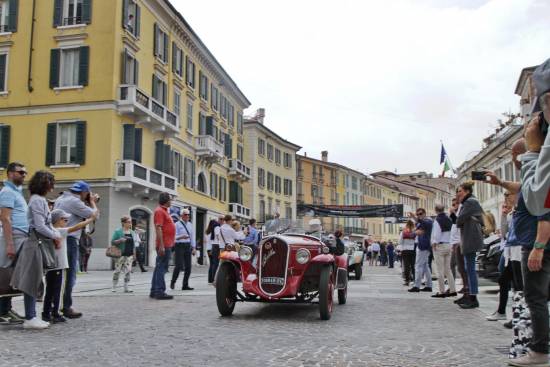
column 326, row 291
column 226, row 290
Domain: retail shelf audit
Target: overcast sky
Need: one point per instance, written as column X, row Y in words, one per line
column 377, row 83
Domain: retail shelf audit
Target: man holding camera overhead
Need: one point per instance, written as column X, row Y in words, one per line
column 80, row 203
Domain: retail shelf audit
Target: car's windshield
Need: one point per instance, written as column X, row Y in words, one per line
column 288, row 226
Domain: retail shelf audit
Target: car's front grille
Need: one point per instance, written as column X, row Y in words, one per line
column 273, row 263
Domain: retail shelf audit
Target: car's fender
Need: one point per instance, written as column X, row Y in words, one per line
column 323, row 259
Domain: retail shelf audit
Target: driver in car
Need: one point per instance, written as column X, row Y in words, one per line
column 340, row 248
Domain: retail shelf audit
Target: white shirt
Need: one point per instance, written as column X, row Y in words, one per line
column 376, row 247
column 455, row 235
column 61, row 252
column 407, row 244
column 189, row 235
column 228, row 235
column 438, row 236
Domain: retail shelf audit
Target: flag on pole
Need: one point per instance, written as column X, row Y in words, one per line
column 444, row 159
column 443, row 154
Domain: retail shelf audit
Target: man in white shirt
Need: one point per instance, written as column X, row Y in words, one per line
column 185, row 249
column 375, row 253
column 442, row 248
column 227, row 234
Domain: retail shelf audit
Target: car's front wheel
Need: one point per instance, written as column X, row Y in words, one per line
column 226, row 289
column 326, row 291
column 358, row 271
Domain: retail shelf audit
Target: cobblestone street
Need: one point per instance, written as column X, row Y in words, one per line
column 382, row 325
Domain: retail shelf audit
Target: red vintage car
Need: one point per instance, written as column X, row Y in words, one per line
column 290, row 265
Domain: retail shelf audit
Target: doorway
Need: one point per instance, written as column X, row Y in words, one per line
column 140, row 223
column 199, row 230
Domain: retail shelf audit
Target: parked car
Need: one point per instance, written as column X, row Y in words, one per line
column 489, row 257
column 292, row 265
column 356, row 256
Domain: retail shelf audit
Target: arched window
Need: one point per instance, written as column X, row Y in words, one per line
column 201, row 183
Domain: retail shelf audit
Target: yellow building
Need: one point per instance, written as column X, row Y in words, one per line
column 272, row 161
column 124, row 94
column 372, row 195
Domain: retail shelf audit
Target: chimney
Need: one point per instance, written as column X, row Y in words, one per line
column 305, row 154
column 324, row 155
column 260, row 115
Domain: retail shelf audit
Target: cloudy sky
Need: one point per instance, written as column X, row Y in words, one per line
column 377, row 83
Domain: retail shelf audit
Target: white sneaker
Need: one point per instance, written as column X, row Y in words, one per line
column 496, row 316
column 531, row 359
column 35, row 324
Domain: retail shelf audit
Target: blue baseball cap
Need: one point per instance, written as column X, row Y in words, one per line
column 175, row 211
column 80, row 186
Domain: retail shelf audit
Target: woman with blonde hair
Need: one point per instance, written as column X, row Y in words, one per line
column 126, row 239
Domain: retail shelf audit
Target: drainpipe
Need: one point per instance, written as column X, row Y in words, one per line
column 31, row 49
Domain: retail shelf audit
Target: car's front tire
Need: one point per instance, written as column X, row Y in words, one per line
column 226, row 289
column 326, row 291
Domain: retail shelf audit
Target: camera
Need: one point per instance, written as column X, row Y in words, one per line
column 479, row 176
column 89, row 198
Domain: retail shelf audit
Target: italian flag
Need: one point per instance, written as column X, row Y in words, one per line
column 444, row 159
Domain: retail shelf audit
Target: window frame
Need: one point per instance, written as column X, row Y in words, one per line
column 189, row 116
column 261, row 147
column 177, row 98
column 62, row 66
column 5, row 89
column 269, row 152
column 67, row 16
column 59, row 125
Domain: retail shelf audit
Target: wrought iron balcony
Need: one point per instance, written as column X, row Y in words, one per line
column 238, row 170
column 140, row 179
column 208, row 148
column 239, row 210
column 138, row 104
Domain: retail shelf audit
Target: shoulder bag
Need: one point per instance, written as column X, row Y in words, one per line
column 47, row 248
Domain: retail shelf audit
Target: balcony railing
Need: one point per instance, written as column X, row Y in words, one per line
column 207, row 147
column 239, row 170
column 355, row 230
column 239, row 210
column 72, row 20
column 139, row 177
column 135, row 102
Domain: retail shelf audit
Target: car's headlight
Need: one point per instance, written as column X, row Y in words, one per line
column 302, row 256
column 325, row 250
column 245, row 253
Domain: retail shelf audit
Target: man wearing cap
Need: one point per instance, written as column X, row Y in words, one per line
column 185, row 249
column 74, row 203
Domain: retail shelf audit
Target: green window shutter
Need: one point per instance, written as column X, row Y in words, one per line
column 138, row 140
column 167, row 160
column 233, row 192
column 51, row 136
column 136, row 71
column 164, row 94
column 155, row 37
column 123, row 76
column 125, row 5
column 87, row 11
column 5, row 146
column 210, row 125
column 58, row 13
column 165, row 48
column 154, row 89
column 3, row 81
column 174, row 57
column 84, row 65
column 80, row 142
column 138, row 21
column 228, row 146
column 54, row 68
column 12, row 21
column 129, row 141
column 159, row 147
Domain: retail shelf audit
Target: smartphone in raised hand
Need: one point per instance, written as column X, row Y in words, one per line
column 479, row 176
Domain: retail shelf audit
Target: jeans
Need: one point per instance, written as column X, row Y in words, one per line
column 72, row 255
column 442, row 254
column 158, row 286
column 422, row 268
column 183, row 263
column 30, row 306
column 470, row 268
column 408, row 257
column 54, row 281
column 214, row 262
column 536, row 295
column 390, row 259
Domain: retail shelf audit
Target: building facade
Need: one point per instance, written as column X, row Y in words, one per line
column 125, row 95
column 272, row 161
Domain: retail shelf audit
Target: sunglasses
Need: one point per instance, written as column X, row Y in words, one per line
column 22, row 173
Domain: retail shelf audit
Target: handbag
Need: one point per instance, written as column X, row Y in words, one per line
column 113, row 251
column 47, row 248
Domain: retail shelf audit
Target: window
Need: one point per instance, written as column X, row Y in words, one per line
column 288, row 212
column 3, row 73
column 132, row 143
column 214, row 97
column 240, row 154
column 159, row 90
column 277, row 156
column 177, row 167
column 203, row 86
column 262, row 210
column 231, row 114
column 8, row 16
column 287, row 189
column 277, row 185
column 190, row 76
column 223, row 106
column 508, row 172
column 261, row 178
column 213, row 184
column 72, row 12
column 240, row 122
column 189, row 172
column 270, row 181
column 261, row 147
column 66, row 143
column 201, row 183
column 5, row 132
column 190, row 115
column 354, row 183
column 130, row 69
column 131, row 15
column 287, row 160
column 223, row 189
column 177, row 102
column 160, row 44
column 69, row 67
column 177, row 60
column 270, row 152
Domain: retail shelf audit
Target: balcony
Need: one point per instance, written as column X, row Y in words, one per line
column 239, row 211
column 208, row 149
column 141, row 180
column 238, row 170
column 137, row 104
